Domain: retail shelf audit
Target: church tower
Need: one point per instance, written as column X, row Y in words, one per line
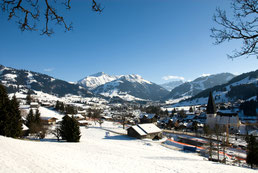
column 211, row 112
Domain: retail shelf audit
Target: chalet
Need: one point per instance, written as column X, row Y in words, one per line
column 148, row 118
column 34, row 105
column 48, row 120
column 77, row 116
column 147, row 130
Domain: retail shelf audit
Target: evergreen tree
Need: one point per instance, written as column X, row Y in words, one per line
column 191, row 109
column 70, row 129
column 10, row 118
column 57, row 107
column 4, row 104
column 28, row 98
column 30, row 119
column 252, row 151
column 62, row 107
column 15, row 120
column 37, row 117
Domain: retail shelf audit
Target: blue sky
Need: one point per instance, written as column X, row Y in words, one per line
column 152, row 38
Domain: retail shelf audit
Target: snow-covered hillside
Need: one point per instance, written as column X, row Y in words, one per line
column 16, row 80
column 243, row 87
column 99, row 153
column 189, row 89
column 171, row 85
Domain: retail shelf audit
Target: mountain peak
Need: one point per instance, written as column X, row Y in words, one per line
column 98, row 74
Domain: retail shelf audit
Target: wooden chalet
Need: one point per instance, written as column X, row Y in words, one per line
column 148, row 130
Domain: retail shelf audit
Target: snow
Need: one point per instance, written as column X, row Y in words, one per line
column 45, row 112
column 136, row 78
column 123, row 95
column 96, row 80
column 97, row 152
column 10, row 76
column 139, row 131
column 149, row 128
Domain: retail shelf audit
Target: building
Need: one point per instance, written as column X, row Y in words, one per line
column 222, row 117
column 34, row 105
column 48, row 120
column 148, row 118
column 147, row 130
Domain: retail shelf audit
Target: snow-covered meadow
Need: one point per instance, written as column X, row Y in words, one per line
column 97, row 152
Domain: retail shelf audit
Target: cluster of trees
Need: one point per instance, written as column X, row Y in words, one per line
column 10, row 117
column 68, row 109
column 249, row 107
column 35, row 125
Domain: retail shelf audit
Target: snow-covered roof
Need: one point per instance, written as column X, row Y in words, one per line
column 149, row 116
column 138, row 130
column 144, row 129
column 24, row 127
column 33, row 103
column 149, row 128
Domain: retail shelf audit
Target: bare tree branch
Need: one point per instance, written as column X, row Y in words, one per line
column 28, row 11
column 243, row 26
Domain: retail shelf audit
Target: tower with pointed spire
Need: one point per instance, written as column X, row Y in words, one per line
column 211, row 112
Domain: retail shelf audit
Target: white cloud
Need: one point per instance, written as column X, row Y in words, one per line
column 48, row 69
column 173, row 78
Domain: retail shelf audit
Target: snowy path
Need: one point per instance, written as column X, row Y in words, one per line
column 96, row 153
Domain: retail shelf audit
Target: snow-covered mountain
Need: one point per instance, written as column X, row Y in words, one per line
column 93, row 81
column 171, row 85
column 131, row 87
column 189, row 89
column 244, row 86
column 23, row 80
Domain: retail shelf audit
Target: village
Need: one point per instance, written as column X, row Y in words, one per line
column 187, row 128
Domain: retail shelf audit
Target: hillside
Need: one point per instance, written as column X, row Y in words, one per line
column 242, row 87
column 190, row 89
column 23, row 80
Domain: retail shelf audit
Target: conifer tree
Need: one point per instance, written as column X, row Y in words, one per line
column 37, row 117
column 28, row 98
column 57, row 107
column 30, row 119
column 252, row 151
column 15, row 119
column 4, row 104
column 70, row 129
column 10, row 117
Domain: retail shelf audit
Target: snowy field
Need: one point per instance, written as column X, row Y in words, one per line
column 98, row 153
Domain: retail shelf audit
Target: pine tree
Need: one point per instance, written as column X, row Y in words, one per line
column 191, row 109
column 70, row 129
column 15, row 119
column 4, row 104
column 62, row 107
column 57, row 107
column 252, row 151
column 37, row 117
column 30, row 119
column 28, row 98
column 10, row 118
